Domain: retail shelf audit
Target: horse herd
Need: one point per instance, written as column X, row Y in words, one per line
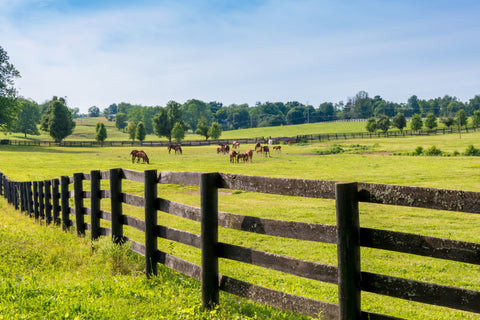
column 235, row 155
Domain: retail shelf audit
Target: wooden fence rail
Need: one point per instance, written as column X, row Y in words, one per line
column 50, row 200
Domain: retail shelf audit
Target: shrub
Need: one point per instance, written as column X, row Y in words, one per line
column 418, row 151
column 472, row 151
column 119, row 257
column 433, row 151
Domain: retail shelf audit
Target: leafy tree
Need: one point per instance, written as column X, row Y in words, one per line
column 166, row 118
column 215, row 131
column 8, row 104
column 93, row 111
column 399, row 121
column 461, row 118
column 476, row 118
column 383, row 123
column 416, row 123
column 100, row 132
column 121, row 121
column 193, row 110
column 131, row 130
column 371, row 124
column 448, row 121
column 140, row 132
column 110, row 112
column 413, row 105
column 327, row 110
column 296, row 115
column 202, row 128
column 362, row 105
column 28, row 118
column 178, row 131
column 57, row 120
column 431, row 121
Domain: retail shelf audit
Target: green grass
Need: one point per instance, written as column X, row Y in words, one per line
column 370, row 161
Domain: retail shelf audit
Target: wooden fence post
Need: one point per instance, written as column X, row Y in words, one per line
column 1, row 183
column 29, row 198
column 55, row 201
column 65, row 195
column 35, row 200
column 348, row 250
column 150, row 188
column 95, row 177
column 15, row 195
column 116, row 204
column 48, row 201
column 79, row 214
column 41, row 200
column 209, row 239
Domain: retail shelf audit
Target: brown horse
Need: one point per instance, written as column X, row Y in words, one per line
column 139, row 154
column 243, row 157
column 236, row 144
column 277, row 148
column 249, row 153
column 175, row 147
column 233, row 156
column 257, row 145
column 266, row 150
column 134, row 155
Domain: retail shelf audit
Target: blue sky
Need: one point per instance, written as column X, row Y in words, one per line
column 150, row 52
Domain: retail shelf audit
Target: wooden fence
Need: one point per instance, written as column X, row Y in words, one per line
column 49, row 200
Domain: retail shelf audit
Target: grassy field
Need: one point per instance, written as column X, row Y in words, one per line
column 376, row 160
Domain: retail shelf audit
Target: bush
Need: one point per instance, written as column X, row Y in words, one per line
column 119, row 257
column 472, row 151
column 433, row 151
column 418, row 151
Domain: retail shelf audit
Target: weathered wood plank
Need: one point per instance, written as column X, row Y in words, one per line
column 180, row 236
column 179, row 177
column 277, row 299
column 298, row 267
column 468, row 252
column 105, row 215
column 179, row 209
column 105, row 194
column 131, row 175
column 185, row 267
column 133, row 222
column 279, row 228
column 430, row 198
column 430, row 293
column 133, row 200
column 283, row 186
column 105, row 174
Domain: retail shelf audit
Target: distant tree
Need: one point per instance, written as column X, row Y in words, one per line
column 202, row 128
column 178, row 132
column 413, row 105
column 416, row 123
column 110, row 112
column 476, row 118
column 93, row 111
column 100, row 132
column 431, row 121
column 399, row 121
column 9, row 106
column 131, row 130
column 448, row 121
column 383, row 123
column 28, row 118
column 296, row 115
column 57, row 120
column 166, row 118
column 461, row 118
column 371, row 124
column 193, row 110
column 140, row 132
column 215, row 131
column 121, row 121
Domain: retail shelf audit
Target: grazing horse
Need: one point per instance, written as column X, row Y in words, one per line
column 266, row 150
column 175, row 147
column 236, row 144
column 134, row 155
column 233, row 156
column 242, row 156
column 291, row 141
column 277, row 148
column 142, row 155
column 223, row 148
column 257, row 145
column 249, row 153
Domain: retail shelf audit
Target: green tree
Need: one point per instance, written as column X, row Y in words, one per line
column 461, row 118
column 215, row 131
column 431, row 121
column 166, row 118
column 9, row 106
column 121, row 121
column 476, row 118
column 413, row 105
column 178, row 131
column 140, row 132
column 131, row 130
column 28, row 118
column 100, row 132
column 399, row 121
column 202, row 128
column 57, row 120
column 383, row 123
column 296, row 115
column 448, row 121
column 371, row 124
column 193, row 110
column 416, row 123
column 93, row 111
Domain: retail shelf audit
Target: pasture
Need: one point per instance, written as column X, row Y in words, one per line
column 376, row 163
